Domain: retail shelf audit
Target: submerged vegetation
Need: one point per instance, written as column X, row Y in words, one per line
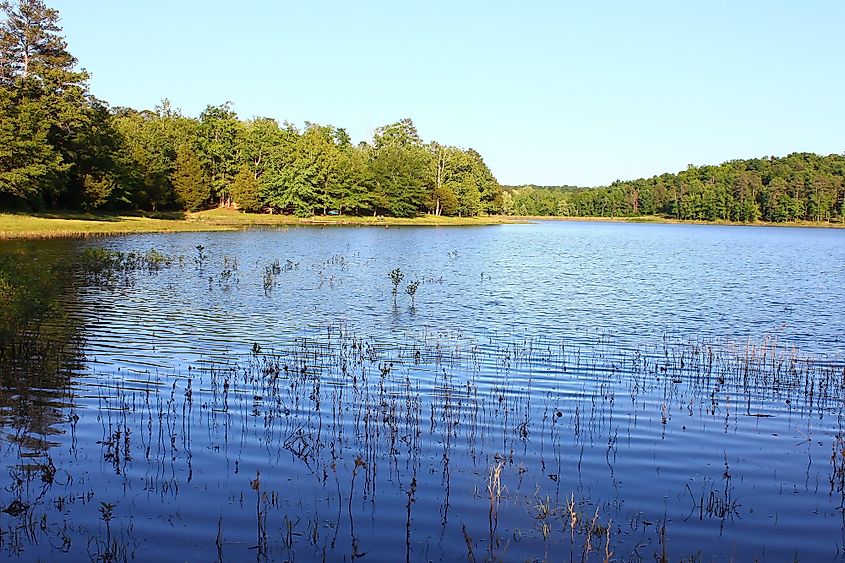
column 414, row 432
column 36, row 335
column 423, row 443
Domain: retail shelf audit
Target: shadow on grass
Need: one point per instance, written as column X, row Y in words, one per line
column 105, row 216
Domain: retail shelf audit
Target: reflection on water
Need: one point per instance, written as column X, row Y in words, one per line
column 592, row 392
column 40, row 349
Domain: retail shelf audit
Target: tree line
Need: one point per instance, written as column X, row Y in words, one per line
column 62, row 147
column 798, row 187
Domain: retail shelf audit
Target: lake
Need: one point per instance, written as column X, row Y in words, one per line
column 554, row 391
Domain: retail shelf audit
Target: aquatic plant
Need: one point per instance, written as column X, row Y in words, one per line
column 411, row 290
column 837, row 462
column 201, row 257
column 27, row 296
column 102, row 266
column 155, row 260
column 396, row 277
column 544, row 513
column 260, row 514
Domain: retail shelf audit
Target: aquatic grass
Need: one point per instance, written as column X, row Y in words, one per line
column 104, row 266
column 201, row 258
column 494, row 483
column 260, row 515
column 573, row 517
column 837, row 462
column 387, row 425
column 544, row 513
column 27, row 297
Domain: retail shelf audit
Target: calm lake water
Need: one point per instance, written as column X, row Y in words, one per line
column 558, row 391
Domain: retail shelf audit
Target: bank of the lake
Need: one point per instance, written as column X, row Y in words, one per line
column 75, row 224
column 62, row 224
column 672, row 221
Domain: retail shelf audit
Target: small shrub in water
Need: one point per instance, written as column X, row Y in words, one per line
column 396, row 277
column 412, row 291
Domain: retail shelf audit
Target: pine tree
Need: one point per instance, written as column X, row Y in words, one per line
column 246, row 190
column 27, row 161
column 46, row 100
column 190, row 182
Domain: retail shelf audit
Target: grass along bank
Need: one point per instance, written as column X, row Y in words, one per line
column 75, row 224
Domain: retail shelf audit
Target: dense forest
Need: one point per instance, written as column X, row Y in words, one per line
column 801, row 186
column 62, row 147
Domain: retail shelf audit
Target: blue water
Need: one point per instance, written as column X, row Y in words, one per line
column 653, row 380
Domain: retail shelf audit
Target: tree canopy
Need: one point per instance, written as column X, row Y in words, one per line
column 797, row 187
column 56, row 139
column 60, row 146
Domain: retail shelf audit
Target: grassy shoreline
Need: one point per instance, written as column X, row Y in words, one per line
column 75, row 224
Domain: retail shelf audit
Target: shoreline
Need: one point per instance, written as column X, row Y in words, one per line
column 21, row 226
column 17, row 226
column 658, row 220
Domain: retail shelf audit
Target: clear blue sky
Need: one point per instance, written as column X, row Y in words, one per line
column 548, row 92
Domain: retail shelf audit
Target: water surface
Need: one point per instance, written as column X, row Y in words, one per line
column 552, row 391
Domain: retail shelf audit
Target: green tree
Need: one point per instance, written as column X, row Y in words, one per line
column 218, row 134
column 317, row 158
column 489, row 189
column 461, row 183
column 443, row 199
column 94, row 150
column 355, row 180
column 296, row 173
column 32, row 46
column 47, row 100
column 401, row 181
column 190, row 181
column 469, row 196
column 149, row 142
column 28, row 163
column 403, row 133
column 246, row 190
column 258, row 144
column 400, row 168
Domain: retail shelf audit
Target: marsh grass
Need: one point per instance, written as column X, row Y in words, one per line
column 837, row 474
